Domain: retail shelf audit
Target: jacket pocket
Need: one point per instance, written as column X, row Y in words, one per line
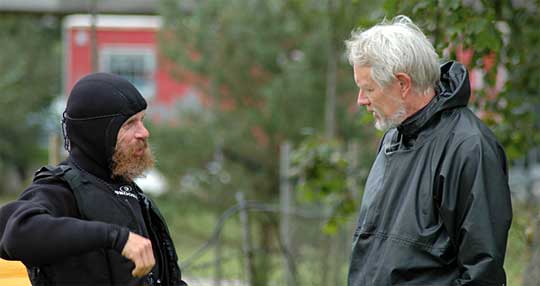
column 409, row 262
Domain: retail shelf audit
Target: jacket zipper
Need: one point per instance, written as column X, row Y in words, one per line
column 152, row 232
column 139, row 228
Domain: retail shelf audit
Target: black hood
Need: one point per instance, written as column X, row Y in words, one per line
column 453, row 90
column 97, row 107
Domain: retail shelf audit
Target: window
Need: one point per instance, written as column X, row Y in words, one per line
column 134, row 64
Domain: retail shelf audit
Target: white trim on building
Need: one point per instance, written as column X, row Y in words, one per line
column 113, row 21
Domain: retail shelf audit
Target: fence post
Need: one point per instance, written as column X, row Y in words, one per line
column 54, row 149
column 286, row 209
column 249, row 265
column 352, row 169
column 217, row 262
column 531, row 275
column 93, row 34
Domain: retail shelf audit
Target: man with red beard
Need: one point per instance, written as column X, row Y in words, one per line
column 85, row 222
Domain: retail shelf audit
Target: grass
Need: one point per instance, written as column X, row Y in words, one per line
column 191, row 226
column 197, row 224
column 517, row 252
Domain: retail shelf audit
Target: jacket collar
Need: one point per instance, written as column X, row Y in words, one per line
column 452, row 90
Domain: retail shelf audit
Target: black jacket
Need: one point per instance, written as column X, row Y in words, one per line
column 68, row 236
column 70, row 226
column 436, row 208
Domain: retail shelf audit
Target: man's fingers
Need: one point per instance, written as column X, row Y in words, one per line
column 139, row 250
column 148, row 254
column 141, row 269
column 148, row 258
column 138, row 270
column 144, row 263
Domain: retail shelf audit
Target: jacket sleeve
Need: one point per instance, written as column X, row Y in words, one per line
column 476, row 210
column 42, row 227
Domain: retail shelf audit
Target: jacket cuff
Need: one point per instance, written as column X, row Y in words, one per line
column 118, row 237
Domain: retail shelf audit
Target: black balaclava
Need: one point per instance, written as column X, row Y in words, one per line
column 97, row 107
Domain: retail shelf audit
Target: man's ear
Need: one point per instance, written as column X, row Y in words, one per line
column 405, row 84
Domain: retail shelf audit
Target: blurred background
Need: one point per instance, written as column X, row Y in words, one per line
column 261, row 151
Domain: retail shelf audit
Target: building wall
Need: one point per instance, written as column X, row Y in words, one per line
column 126, row 43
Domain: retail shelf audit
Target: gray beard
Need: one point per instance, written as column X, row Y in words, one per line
column 385, row 123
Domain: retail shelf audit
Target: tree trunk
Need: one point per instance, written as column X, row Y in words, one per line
column 331, row 77
column 531, row 275
column 326, row 256
column 249, row 265
column 264, row 265
column 331, row 72
column 93, row 35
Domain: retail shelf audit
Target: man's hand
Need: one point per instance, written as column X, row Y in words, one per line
column 139, row 250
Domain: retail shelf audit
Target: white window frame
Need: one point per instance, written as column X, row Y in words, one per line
column 106, row 53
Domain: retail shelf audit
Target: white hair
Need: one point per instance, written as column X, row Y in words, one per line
column 392, row 47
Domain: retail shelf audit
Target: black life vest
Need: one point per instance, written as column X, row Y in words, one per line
column 97, row 202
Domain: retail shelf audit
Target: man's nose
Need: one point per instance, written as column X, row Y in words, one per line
column 142, row 132
column 362, row 99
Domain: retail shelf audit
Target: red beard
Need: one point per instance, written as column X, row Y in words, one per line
column 130, row 162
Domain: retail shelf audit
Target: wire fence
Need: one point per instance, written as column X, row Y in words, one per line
column 308, row 248
column 291, row 247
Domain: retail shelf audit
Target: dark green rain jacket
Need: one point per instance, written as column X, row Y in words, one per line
column 436, row 208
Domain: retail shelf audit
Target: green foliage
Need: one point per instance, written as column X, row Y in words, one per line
column 260, row 67
column 29, row 79
column 322, row 165
column 521, row 108
column 454, row 24
column 322, row 170
column 505, row 30
column 265, row 81
column 194, row 144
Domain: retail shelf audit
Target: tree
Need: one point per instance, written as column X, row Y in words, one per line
column 267, row 67
column 29, row 79
column 497, row 38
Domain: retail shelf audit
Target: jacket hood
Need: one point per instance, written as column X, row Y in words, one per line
column 453, row 90
column 97, row 107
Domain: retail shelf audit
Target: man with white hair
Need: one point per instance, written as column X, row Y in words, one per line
column 436, row 208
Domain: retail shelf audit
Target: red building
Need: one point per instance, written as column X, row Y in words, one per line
column 127, row 46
